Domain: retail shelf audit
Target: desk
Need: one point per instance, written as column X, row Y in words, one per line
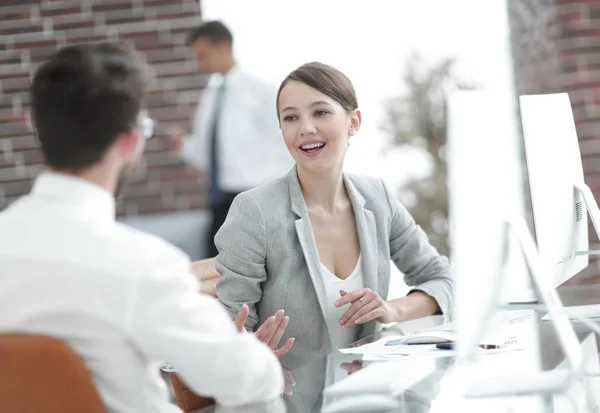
column 422, row 382
column 428, row 385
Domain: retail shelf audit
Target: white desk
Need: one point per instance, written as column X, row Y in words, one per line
column 431, row 385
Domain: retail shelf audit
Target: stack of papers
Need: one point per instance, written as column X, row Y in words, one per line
column 392, row 345
column 397, row 347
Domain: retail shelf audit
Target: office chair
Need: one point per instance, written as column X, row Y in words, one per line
column 187, row 400
column 41, row 374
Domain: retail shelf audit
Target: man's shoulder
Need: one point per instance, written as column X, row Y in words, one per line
column 253, row 81
column 140, row 244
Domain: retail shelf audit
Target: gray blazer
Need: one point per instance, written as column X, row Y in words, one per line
column 269, row 260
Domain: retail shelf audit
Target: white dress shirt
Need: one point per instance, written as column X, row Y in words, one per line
column 251, row 150
column 124, row 300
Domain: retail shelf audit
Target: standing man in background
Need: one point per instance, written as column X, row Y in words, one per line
column 235, row 137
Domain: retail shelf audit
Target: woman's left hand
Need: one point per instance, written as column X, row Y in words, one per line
column 365, row 305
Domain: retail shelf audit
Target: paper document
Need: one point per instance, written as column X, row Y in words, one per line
column 395, row 344
column 432, row 351
column 398, row 345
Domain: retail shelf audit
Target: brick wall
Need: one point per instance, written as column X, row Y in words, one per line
column 30, row 31
column 556, row 48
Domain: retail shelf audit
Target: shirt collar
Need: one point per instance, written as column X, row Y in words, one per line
column 216, row 79
column 75, row 192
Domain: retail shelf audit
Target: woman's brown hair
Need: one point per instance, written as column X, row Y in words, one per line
column 327, row 80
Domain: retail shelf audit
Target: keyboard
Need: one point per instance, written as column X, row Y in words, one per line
column 515, row 316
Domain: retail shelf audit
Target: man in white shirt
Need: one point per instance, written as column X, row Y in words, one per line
column 124, row 300
column 235, row 137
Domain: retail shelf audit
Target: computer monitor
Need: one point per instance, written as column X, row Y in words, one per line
column 555, row 171
column 485, row 191
column 493, row 253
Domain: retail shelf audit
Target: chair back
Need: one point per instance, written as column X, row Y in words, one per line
column 43, row 374
column 187, row 400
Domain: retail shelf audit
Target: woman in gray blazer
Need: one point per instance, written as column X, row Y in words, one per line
column 317, row 243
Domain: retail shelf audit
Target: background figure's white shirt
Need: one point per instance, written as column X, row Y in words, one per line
column 124, row 300
column 251, row 149
column 340, row 336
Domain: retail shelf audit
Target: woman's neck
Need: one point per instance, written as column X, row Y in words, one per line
column 323, row 190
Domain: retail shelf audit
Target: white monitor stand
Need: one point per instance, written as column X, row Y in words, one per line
column 592, row 210
column 579, row 312
column 585, row 311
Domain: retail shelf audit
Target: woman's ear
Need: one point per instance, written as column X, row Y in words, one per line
column 355, row 121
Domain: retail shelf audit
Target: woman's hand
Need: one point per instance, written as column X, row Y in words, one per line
column 270, row 332
column 365, row 305
column 207, row 274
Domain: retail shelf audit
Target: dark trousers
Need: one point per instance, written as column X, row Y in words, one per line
column 219, row 213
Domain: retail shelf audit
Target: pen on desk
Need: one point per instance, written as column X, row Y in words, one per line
column 489, row 346
column 450, row 346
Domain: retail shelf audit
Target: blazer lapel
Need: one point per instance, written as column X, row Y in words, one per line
column 307, row 239
column 367, row 235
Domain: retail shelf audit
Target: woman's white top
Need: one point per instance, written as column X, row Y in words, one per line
column 340, row 336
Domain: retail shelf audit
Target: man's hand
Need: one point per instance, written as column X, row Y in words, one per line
column 270, row 332
column 174, row 138
column 207, row 274
column 352, row 367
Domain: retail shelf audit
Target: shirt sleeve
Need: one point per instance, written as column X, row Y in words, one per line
column 172, row 322
column 195, row 150
column 189, row 151
column 280, row 159
column 423, row 267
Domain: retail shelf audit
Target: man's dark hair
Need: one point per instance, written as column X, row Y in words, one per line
column 83, row 98
column 213, row 31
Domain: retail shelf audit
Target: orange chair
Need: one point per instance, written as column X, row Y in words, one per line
column 40, row 374
column 187, row 400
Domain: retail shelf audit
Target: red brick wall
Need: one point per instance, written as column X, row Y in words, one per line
column 556, row 48
column 30, row 31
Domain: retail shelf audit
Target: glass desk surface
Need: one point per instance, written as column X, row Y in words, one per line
column 338, row 382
